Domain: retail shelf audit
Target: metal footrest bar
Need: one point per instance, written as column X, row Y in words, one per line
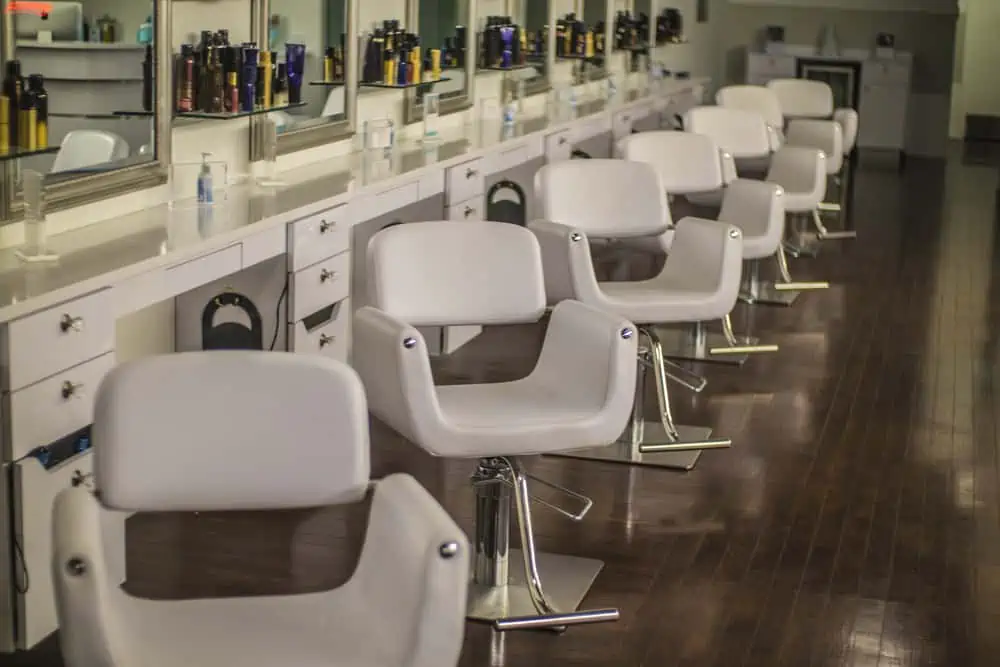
column 556, row 621
column 825, row 234
column 801, row 287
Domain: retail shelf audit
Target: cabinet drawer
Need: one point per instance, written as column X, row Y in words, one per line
column 320, row 285
column 45, row 343
column 473, row 209
column 34, row 493
column 770, row 67
column 464, row 181
column 318, row 237
column 558, row 146
column 56, row 406
column 330, row 338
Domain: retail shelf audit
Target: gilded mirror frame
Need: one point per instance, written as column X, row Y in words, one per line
column 81, row 190
column 294, row 140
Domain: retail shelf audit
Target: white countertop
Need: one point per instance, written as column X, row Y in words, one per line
column 110, row 252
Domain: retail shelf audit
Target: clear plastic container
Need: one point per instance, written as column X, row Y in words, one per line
column 432, row 115
column 36, row 236
column 380, row 135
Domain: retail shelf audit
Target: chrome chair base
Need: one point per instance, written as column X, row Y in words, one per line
column 698, row 438
column 757, row 291
column 799, row 242
column 567, row 580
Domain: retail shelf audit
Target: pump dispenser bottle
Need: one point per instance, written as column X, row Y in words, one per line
column 205, row 181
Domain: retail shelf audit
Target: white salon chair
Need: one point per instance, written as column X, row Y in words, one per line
column 809, row 106
column 693, row 164
column 800, row 171
column 200, row 431
column 486, row 273
column 700, row 280
column 83, row 149
column 804, row 98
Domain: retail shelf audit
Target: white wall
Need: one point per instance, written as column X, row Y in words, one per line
column 977, row 59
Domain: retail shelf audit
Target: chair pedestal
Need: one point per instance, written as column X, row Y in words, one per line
column 695, row 343
column 799, row 242
column 506, row 587
column 657, row 444
column 843, row 181
column 783, row 293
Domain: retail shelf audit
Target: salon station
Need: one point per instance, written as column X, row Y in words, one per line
column 248, row 237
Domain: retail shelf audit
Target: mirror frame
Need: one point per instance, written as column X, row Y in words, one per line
column 327, row 133
column 92, row 188
column 413, row 109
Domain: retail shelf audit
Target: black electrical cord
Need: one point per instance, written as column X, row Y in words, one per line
column 23, row 582
column 277, row 316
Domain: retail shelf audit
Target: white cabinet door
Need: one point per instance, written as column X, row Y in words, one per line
column 883, row 117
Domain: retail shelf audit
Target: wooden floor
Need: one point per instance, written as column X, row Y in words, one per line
column 854, row 521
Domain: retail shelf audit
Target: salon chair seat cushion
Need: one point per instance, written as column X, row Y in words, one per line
column 316, row 630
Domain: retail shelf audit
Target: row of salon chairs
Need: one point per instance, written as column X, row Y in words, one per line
column 407, row 599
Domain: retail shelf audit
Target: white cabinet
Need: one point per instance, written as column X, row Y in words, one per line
column 762, row 67
column 882, row 117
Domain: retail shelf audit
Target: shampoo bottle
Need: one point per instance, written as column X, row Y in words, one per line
column 205, row 181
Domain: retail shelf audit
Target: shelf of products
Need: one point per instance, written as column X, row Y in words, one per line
column 506, row 46
column 215, row 79
column 576, row 41
column 670, row 27
column 393, row 58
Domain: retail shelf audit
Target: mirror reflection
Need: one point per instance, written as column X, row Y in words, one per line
column 77, row 66
column 442, row 26
column 311, row 35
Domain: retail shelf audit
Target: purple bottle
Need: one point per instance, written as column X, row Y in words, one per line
column 295, row 57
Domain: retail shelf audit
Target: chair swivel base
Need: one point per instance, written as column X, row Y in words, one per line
column 566, row 579
column 802, row 246
column 681, row 345
column 825, row 233
column 698, row 438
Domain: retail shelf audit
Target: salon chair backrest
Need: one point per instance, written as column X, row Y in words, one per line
column 802, row 98
column 604, row 198
column 81, row 149
column 686, row 163
column 230, row 430
column 742, row 134
column 753, row 98
column 444, row 273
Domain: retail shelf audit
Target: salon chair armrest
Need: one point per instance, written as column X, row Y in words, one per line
column 799, row 170
column 848, row 120
column 756, row 207
column 566, row 260
column 414, row 567
column 591, row 352
column 392, row 360
column 775, row 137
column 826, row 135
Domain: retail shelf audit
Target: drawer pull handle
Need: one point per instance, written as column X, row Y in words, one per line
column 71, row 390
column 70, row 323
column 469, row 211
column 326, row 275
column 325, row 226
column 325, row 340
column 563, row 141
column 471, row 173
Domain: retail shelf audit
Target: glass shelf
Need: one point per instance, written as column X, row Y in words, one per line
column 136, row 114
column 329, row 84
column 18, row 153
column 512, row 68
column 404, row 86
column 596, row 58
column 204, row 115
column 638, row 48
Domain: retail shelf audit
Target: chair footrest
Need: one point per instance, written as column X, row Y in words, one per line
column 557, row 622
column 682, row 455
column 681, row 345
column 565, row 580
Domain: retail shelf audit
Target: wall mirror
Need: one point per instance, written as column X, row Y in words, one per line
column 443, row 27
column 535, row 17
column 312, row 37
column 587, row 38
column 80, row 89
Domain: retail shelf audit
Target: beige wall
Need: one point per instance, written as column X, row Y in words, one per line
column 976, row 61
